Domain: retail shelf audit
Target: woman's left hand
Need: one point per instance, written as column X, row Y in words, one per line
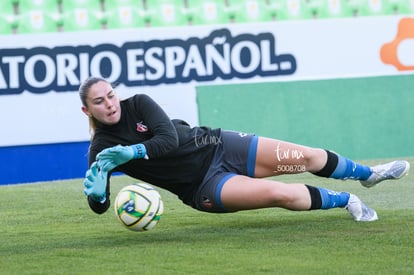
column 114, row 156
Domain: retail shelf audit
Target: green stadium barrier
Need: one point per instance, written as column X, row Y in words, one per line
column 250, row 11
column 38, row 16
column 278, row 10
column 79, row 15
column 124, row 14
column 320, row 9
column 161, row 13
column 76, row 15
column 208, row 12
column 398, row 7
column 362, row 118
column 352, row 8
column 8, row 18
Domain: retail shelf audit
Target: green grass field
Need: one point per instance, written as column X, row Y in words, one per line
column 47, row 228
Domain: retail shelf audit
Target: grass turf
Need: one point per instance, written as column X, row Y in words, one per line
column 47, row 228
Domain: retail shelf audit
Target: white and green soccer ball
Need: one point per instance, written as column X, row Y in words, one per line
column 138, row 207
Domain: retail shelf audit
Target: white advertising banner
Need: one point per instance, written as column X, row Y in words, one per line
column 40, row 74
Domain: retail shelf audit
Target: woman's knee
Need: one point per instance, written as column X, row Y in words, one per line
column 315, row 159
column 289, row 196
column 279, row 195
column 276, row 194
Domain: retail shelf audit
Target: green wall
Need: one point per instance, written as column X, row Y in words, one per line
column 361, row 118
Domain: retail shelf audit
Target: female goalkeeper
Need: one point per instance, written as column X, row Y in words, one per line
column 211, row 170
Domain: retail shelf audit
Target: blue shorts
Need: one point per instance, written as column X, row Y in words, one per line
column 234, row 155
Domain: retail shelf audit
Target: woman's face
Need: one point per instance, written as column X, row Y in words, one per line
column 103, row 103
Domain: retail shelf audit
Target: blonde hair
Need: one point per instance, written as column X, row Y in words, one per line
column 83, row 94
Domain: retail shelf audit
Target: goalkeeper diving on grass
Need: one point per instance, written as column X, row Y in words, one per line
column 211, row 169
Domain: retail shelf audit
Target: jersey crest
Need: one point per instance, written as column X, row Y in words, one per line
column 141, row 127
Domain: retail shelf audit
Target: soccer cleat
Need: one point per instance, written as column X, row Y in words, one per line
column 392, row 170
column 359, row 211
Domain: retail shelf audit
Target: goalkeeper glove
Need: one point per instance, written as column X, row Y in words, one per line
column 114, row 156
column 95, row 183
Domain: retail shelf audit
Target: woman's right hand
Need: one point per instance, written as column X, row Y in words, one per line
column 95, row 183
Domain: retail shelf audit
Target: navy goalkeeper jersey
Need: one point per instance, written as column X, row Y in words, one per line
column 179, row 155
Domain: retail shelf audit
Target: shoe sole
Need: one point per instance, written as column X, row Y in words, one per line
column 373, row 219
column 404, row 173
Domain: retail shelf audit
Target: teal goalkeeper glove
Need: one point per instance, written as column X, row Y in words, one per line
column 95, row 183
column 114, row 156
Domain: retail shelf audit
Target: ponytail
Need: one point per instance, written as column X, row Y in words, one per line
column 83, row 94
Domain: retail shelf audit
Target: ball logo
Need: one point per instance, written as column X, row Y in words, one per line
column 392, row 52
column 129, row 206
